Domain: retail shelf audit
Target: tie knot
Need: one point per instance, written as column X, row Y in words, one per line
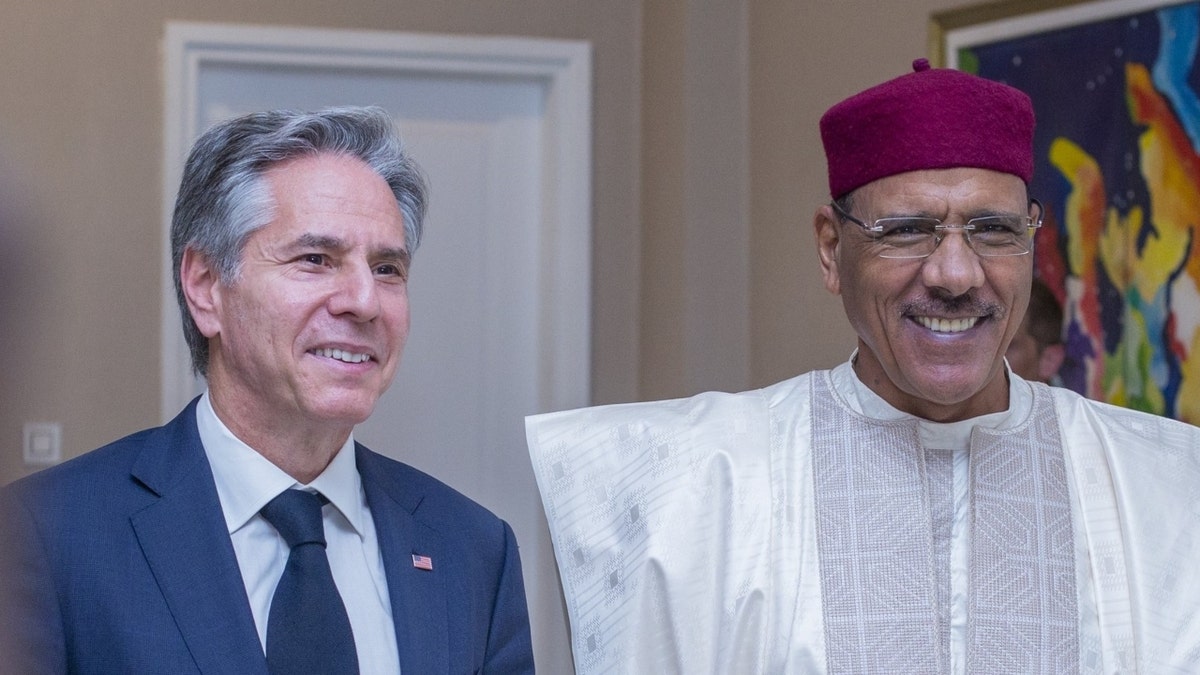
column 296, row 515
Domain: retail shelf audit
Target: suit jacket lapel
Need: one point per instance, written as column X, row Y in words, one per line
column 418, row 596
column 186, row 543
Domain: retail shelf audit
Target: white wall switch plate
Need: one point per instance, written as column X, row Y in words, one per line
column 43, row 443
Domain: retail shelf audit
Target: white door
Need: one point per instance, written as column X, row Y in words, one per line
column 499, row 284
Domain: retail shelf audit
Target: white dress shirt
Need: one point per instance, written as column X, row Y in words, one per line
column 246, row 481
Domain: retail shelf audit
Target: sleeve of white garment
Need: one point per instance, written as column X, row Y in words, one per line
column 666, row 522
column 1137, row 480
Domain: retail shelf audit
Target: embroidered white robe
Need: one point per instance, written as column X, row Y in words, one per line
column 709, row 534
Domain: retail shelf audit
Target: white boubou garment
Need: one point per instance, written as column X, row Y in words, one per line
column 810, row 527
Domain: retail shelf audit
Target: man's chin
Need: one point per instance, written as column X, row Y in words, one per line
column 960, row 393
column 343, row 411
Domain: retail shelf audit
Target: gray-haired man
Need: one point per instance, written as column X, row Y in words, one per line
column 251, row 534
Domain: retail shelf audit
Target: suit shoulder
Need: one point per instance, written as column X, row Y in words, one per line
column 89, row 470
column 86, row 498
column 102, row 472
column 434, row 502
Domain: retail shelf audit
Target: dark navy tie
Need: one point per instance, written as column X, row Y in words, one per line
column 307, row 630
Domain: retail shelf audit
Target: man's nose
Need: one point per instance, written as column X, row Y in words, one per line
column 356, row 293
column 953, row 266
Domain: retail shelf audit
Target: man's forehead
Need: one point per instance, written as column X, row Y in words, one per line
column 329, row 182
column 951, row 188
column 328, row 241
column 337, row 177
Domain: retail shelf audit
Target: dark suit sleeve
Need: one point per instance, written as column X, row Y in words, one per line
column 31, row 634
column 509, row 646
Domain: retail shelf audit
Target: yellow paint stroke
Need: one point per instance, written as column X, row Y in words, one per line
column 1171, row 170
column 1084, row 220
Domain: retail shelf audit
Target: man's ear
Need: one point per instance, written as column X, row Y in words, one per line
column 1050, row 361
column 202, row 290
column 825, row 227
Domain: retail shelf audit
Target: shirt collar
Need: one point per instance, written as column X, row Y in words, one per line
column 246, row 480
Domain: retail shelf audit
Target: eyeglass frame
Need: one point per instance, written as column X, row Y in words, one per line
column 940, row 229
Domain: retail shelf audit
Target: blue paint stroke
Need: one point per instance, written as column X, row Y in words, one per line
column 1178, row 35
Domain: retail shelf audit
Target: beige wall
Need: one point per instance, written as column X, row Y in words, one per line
column 81, row 115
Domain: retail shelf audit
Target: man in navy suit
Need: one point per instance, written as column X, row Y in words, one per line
column 291, row 243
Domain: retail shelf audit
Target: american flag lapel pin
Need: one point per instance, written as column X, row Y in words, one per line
column 422, row 562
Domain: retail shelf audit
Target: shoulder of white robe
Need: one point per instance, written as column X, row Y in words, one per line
column 1138, row 481
column 640, row 499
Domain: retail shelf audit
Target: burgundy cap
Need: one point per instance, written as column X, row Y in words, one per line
column 931, row 118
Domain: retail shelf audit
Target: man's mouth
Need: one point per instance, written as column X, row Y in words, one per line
column 342, row 355
column 947, row 325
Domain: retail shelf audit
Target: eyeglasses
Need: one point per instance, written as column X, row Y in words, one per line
column 919, row 236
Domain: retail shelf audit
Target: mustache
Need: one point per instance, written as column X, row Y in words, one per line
column 943, row 303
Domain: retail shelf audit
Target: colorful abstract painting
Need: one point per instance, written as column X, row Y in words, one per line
column 1118, row 166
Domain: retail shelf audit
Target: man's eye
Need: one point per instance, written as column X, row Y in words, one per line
column 999, row 225
column 314, row 258
column 906, row 227
column 390, row 270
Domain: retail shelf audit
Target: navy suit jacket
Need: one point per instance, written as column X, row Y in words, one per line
column 119, row 561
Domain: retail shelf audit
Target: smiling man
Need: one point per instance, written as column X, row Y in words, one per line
column 251, row 534
column 917, row 509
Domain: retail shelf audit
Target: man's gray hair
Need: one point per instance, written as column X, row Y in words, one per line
column 223, row 197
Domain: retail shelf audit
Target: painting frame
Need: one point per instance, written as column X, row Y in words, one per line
column 946, row 25
column 1117, row 161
